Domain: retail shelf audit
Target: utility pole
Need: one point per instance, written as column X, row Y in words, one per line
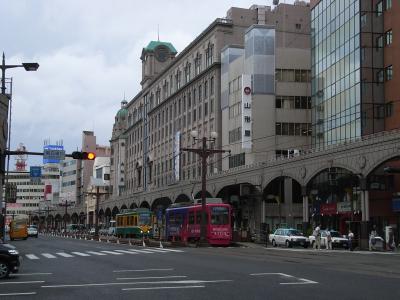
column 66, row 204
column 204, row 152
column 96, row 212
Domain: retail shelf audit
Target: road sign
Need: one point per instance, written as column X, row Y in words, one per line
column 35, row 174
column 53, row 154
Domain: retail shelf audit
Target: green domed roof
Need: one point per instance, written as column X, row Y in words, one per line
column 123, row 112
column 153, row 44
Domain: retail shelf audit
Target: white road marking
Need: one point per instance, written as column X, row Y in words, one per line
column 48, row 255
column 135, row 283
column 126, row 251
column 96, row 253
column 21, row 282
column 111, row 252
column 152, row 277
column 280, row 274
column 143, row 270
column 31, row 256
column 155, row 250
column 63, row 254
column 80, row 254
column 19, row 294
column 166, row 287
column 170, row 250
column 30, row 274
column 302, row 281
column 141, row 251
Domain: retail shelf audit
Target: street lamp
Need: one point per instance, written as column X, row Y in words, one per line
column 204, row 152
column 3, row 118
column 26, row 66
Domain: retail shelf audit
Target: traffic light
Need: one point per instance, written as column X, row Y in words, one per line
column 83, row 155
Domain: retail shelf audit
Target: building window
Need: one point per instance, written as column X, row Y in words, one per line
column 379, row 41
column 389, row 37
column 388, row 4
column 212, row 105
column 298, row 26
column 389, row 109
column 205, row 109
column 205, row 89
column 237, row 160
column 379, row 8
column 380, row 76
column 389, row 72
column 212, row 86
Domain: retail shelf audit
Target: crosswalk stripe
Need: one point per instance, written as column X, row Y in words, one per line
column 169, row 250
column 141, row 251
column 111, row 252
column 48, row 255
column 96, row 253
column 155, row 250
column 126, row 251
column 31, row 256
column 63, row 254
column 80, row 254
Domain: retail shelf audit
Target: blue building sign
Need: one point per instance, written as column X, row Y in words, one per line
column 396, row 204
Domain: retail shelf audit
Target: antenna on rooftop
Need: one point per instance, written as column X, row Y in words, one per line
column 158, row 32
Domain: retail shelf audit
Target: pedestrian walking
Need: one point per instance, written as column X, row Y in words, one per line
column 351, row 238
column 328, row 240
column 317, row 235
column 372, row 240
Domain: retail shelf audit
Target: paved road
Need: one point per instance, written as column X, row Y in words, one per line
column 60, row 268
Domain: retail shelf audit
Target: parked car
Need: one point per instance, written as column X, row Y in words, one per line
column 92, row 231
column 32, row 231
column 288, row 237
column 338, row 241
column 9, row 260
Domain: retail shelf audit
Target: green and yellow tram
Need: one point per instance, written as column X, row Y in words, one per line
column 134, row 223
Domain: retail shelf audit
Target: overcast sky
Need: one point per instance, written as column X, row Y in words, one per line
column 89, row 56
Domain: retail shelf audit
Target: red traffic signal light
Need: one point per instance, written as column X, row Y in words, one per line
column 84, row 155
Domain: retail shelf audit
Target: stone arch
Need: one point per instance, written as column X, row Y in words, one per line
column 382, row 160
column 182, row 198
column 323, row 167
column 58, row 221
column 161, row 203
column 114, row 212
column 332, row 194
column 198, row 195
column 144, row 204
column 74, row 218
column 133, row 205
column 101, row 217
column 82, row 218
column 107, row 215
column 283, row 201
column 123, row 206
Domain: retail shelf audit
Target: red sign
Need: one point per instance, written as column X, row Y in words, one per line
column 247, row 90
column 328, row 209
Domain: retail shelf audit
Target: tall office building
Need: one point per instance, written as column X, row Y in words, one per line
column 353, row 68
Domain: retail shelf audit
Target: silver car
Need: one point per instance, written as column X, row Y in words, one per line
column 288, row 237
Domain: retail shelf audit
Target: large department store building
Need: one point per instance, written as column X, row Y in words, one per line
column 202, row 88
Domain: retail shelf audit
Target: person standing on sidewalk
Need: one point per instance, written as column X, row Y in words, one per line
column 351, row 238
column 317, row 235
column 328, row 240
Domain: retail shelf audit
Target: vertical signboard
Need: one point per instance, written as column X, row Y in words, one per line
column 177, row 149
column 246, row 112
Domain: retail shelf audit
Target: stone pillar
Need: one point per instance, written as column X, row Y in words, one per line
column 305, row 208
column 288, row 205
column 364, row 228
